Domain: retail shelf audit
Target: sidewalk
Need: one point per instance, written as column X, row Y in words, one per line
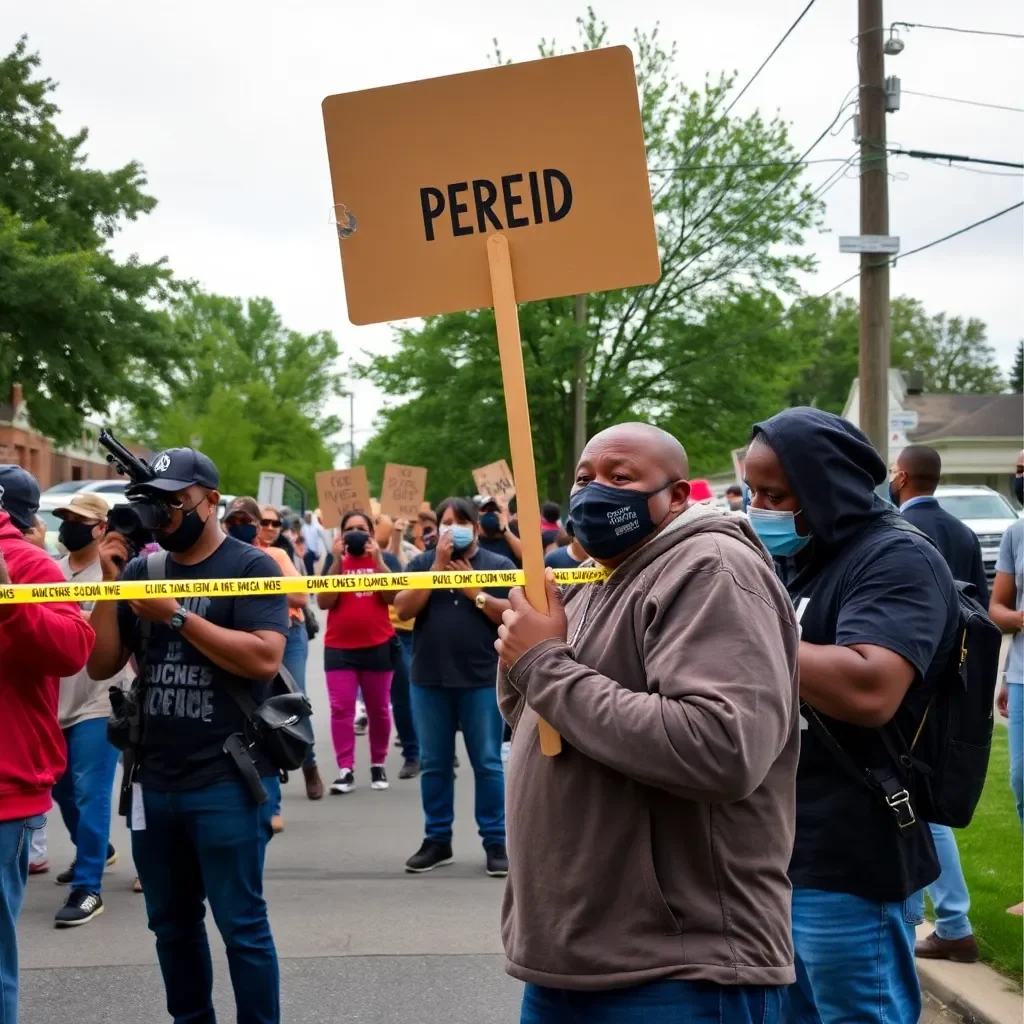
column 975, row 991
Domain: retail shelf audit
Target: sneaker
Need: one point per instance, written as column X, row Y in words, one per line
column 378, row 777
column 80, row 907
column 40, row 867
column 361, row 719
column 497, row 860
column 410, row 768
column 505, row 748
column 429, row 856
column 345, row 782
column 67, row 877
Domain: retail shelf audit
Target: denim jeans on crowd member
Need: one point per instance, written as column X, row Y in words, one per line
column 948, row 892
column 14, row 843
column 437, row 711
column 401, row 706
column 661, row 1002
column 854, row 960
column 209, row 844
column 296, row 651
column 1016, row 726
column 83, row 794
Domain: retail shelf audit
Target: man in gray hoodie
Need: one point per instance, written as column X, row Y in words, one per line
column 648, row 860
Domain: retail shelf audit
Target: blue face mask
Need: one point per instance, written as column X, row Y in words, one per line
column 462, row 536
column 777, row 531
column 245, row 532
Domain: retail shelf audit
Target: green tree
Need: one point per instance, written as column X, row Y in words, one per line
column 1017, row 372
column 721, row 222
column 79, row 329
column 251, row 393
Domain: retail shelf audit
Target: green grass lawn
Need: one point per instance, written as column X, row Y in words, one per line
column 991, row 851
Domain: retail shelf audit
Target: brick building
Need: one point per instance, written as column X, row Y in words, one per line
column 49, row 463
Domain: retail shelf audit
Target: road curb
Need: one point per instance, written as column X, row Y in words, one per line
column 976, row 992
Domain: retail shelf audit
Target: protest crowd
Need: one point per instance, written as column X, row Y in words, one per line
column 765, row 755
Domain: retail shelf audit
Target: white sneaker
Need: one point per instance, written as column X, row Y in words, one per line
column 505, row 748
column 361, row 719
column 378, row 777
column 345, row 782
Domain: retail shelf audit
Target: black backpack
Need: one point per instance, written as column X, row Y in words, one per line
column 939, row 769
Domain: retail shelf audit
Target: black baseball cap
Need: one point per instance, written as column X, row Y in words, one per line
column 178, row 468
column 19, row 495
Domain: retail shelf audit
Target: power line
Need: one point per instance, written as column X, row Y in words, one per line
column 925, row 154
column 965, row 31
column 970, row 103
column 960, row 231
column 729, row 167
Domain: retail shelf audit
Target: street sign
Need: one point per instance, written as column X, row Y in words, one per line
column 903, row 420
column 869, row 243
column 549, row 153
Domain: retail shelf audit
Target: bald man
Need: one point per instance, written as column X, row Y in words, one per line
column 647, row 862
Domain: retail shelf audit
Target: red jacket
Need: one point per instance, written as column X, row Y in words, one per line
column 39, row 643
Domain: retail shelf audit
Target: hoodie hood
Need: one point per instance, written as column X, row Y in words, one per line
column 832, row 469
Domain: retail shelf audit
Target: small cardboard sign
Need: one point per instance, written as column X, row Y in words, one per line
column 550, row 152
column 495, row 480
column 401, row 493
column 340, row 491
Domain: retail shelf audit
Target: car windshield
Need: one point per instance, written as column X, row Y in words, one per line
column 52, row 522
column 65, row 488
column 976, row 506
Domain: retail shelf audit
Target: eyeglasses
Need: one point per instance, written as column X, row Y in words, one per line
column 270, row 522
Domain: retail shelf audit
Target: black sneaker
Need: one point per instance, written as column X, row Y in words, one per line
column 410, row 769
column 497, row 860
column 345, row 782
column 67, row 877
column 429, row 856
column 80, row 907
column 378, row 777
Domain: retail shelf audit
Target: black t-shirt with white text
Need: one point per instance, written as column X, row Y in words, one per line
column 888, row 589
column 187, row 711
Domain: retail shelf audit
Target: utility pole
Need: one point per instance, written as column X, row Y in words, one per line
column 874, row 220
column 579, row 410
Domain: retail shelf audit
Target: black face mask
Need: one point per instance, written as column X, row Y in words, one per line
column 245, row 532
column 1018, row 488
column 894, row 494
column 189, row 530
column 75, row 536
column 490, row 522
column 609, row 520
column 355, row 542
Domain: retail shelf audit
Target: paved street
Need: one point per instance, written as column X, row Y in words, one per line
column 359, row 939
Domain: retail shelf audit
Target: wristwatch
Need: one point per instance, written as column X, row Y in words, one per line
column 481, row 600
column 178, row 619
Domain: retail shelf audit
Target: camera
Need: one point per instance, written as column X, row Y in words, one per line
column 145, row 512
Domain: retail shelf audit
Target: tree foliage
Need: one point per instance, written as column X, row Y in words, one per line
column 79, row 329
column 1017, row 371
column 728, row 228
column 251, row 394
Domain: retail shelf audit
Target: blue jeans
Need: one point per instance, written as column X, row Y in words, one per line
column 437, row 711
column 854, row 960
column 401, row 702
column 660, row 1002
column 14, row 843
column 1016, row 726
column 83, row 795
column 209, row 844
column 949, row 891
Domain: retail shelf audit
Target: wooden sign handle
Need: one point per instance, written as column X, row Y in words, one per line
column 524, row 472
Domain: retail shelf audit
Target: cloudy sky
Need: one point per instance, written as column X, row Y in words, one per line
column 220, row 101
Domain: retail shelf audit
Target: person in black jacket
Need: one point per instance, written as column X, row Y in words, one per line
column 912, row 490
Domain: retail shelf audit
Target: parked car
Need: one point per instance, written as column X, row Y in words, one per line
column 985, row 511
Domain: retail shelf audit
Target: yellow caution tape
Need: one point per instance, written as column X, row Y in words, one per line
column 140, row 590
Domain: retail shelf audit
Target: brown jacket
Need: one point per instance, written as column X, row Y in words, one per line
column 656, row 844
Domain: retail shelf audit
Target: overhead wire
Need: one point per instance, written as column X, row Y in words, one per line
column 964, row 31
column 955, row 99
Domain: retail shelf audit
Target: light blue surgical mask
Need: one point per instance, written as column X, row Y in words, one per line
column 462, row 536
column 777, row 531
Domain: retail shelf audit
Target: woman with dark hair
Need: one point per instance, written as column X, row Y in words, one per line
column 357, row 651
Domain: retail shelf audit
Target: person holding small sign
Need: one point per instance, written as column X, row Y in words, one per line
column 495, row 534
column 648, row 860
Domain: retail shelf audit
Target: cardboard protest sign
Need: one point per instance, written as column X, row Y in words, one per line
column 415, row 204
column 496, row 481
column 340, row 491
column 401, row 493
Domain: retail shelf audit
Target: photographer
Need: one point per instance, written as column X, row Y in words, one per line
column 196, row 831
column 39, row 643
